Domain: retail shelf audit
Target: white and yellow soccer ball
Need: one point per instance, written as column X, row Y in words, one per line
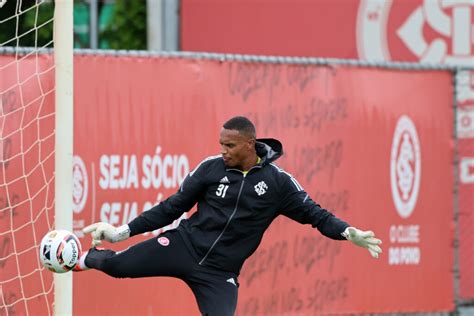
column 60, row 251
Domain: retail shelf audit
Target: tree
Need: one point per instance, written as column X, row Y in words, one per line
column 26, row 24
column 127, row 29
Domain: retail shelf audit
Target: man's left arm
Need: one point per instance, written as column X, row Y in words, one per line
column 299, row 206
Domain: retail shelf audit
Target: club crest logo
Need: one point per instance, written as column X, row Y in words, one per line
column 80, row 184
column 261, row 188
column 405, row 166
column 431, row 31
column 163, row 241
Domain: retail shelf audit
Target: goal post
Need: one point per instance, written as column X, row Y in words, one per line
column 63, row 57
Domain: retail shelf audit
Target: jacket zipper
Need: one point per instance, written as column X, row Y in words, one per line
column 227, row 224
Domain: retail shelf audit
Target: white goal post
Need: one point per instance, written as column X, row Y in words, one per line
column 63, row 55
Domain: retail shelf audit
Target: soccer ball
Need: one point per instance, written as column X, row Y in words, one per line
column 59, row 251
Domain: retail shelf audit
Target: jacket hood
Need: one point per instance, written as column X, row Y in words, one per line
column 269, row 149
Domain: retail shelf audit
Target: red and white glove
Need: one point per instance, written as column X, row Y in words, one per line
column 365, row 239
column 105, row 231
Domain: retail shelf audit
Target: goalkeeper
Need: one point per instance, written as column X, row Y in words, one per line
column 238, row 194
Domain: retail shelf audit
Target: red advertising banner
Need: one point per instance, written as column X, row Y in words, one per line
column 406, row 30
column 465, row 143
column 434, row 32
column 377, row 154
column 288, row 28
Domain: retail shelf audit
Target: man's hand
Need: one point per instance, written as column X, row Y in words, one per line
column 105, row 231
column 364, row 239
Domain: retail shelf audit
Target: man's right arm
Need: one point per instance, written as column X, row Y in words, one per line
column 158, row 216
column 170, row 209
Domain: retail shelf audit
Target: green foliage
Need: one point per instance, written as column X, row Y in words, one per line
column 127, row 29
column 42, row 19
column 27, row 26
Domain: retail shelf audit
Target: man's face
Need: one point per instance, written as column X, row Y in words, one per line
column 236, row 148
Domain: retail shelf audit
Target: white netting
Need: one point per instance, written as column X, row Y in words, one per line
column 26, row 155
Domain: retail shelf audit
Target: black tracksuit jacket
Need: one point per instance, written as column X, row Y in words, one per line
column 234, row 210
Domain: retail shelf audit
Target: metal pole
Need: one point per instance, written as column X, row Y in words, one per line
column 171, row 25
column 93, row 29
column 154, row 11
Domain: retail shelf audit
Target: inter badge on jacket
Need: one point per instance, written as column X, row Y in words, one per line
column 261, row 188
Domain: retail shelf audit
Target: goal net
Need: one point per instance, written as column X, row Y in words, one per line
column 27, row 154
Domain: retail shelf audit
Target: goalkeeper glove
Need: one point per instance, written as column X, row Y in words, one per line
column 364, row 239
column 105, row 231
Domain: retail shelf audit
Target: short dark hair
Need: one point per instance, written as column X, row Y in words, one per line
column 241, row 124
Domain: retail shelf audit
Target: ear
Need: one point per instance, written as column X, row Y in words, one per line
column 251, row 143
